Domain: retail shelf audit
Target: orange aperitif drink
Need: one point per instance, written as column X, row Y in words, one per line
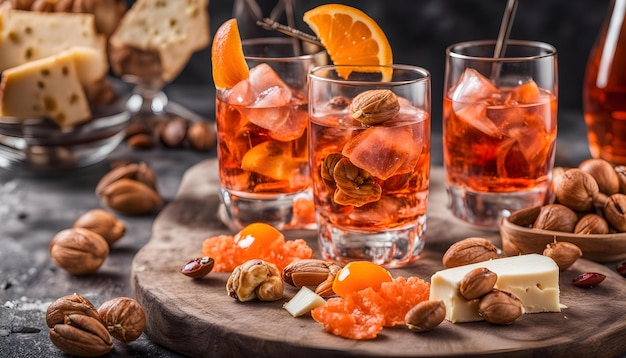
column 503, row 139
column 499, row 128
column 262, row 119
column 370, row 179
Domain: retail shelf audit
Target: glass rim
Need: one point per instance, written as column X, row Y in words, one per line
column 268, row 41
column 452, row 50
column 425, row 75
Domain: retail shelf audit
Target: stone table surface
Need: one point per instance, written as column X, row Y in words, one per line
column 33, row 208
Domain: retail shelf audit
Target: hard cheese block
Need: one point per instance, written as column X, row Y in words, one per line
column 49, row 87
column 533, row 278
column 30, row 35
column 175, row 29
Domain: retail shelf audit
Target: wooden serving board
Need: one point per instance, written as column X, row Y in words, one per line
column 198, row 318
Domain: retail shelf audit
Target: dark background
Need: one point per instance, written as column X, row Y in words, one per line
column 420, row 30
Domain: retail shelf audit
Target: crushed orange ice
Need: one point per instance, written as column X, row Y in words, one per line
column 227, row 60
column 350, row 37
column 255, row 241
column 363, row 314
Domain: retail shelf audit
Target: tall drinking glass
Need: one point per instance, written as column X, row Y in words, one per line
column 369, row 146
column 499, row 128
column 262, row 138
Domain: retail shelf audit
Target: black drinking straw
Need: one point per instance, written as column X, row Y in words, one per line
column 503, row 35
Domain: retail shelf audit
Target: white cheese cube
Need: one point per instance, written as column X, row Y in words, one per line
column 175, row 29
column 49, row 87
column 304, row 301
column 30, row 35
column 533, row 278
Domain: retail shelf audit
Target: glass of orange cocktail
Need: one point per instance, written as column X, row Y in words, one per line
column 262, row 137
column 499, row 128
column 369, row 146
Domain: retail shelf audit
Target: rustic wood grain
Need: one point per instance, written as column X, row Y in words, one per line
column 198, row 318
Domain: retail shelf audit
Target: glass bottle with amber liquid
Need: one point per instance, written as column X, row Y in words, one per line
column 604, row 88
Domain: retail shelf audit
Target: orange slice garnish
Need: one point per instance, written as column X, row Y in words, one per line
column 228, row 62
column 350, row 37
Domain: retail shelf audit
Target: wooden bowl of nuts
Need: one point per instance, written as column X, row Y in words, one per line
column 589, row 210
column 519, row 237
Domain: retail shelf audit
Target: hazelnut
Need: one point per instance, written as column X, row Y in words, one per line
column 604, row 174
column 556, row 217
column 255, row 279
column 621, row 174
column 78, row 251
column 201, row 136
column 469, row 251
column 425, row 316
column 312, row 272
column 82, row 336
column 563, row 253
column 102, row 222
column 308, row 272
column 374, row 106
column 591, row 224
column 477, row 283
column 140, row 172
column 174, row 132
column 500, row 307
column 123, row 317
column 67, row 305
column 576, row 189
column 615, row 211
column 131, row 197
column 140, row 141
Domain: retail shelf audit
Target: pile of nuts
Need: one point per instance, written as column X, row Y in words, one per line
column 589, row 199
column 176, row 132
column 78, row 328
column 131, row 189
column 82, row 249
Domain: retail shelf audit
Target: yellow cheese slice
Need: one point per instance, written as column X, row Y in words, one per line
column 533, row 278
column 30, row 35
column 173, row 28
column 49, row 87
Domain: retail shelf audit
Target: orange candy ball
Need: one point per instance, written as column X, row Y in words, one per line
column 255, row 241
column 359, row 275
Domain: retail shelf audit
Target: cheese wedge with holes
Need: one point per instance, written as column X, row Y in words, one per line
column 49, row 87
column 533, row 278
column 173, row 28
column 30, row 35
